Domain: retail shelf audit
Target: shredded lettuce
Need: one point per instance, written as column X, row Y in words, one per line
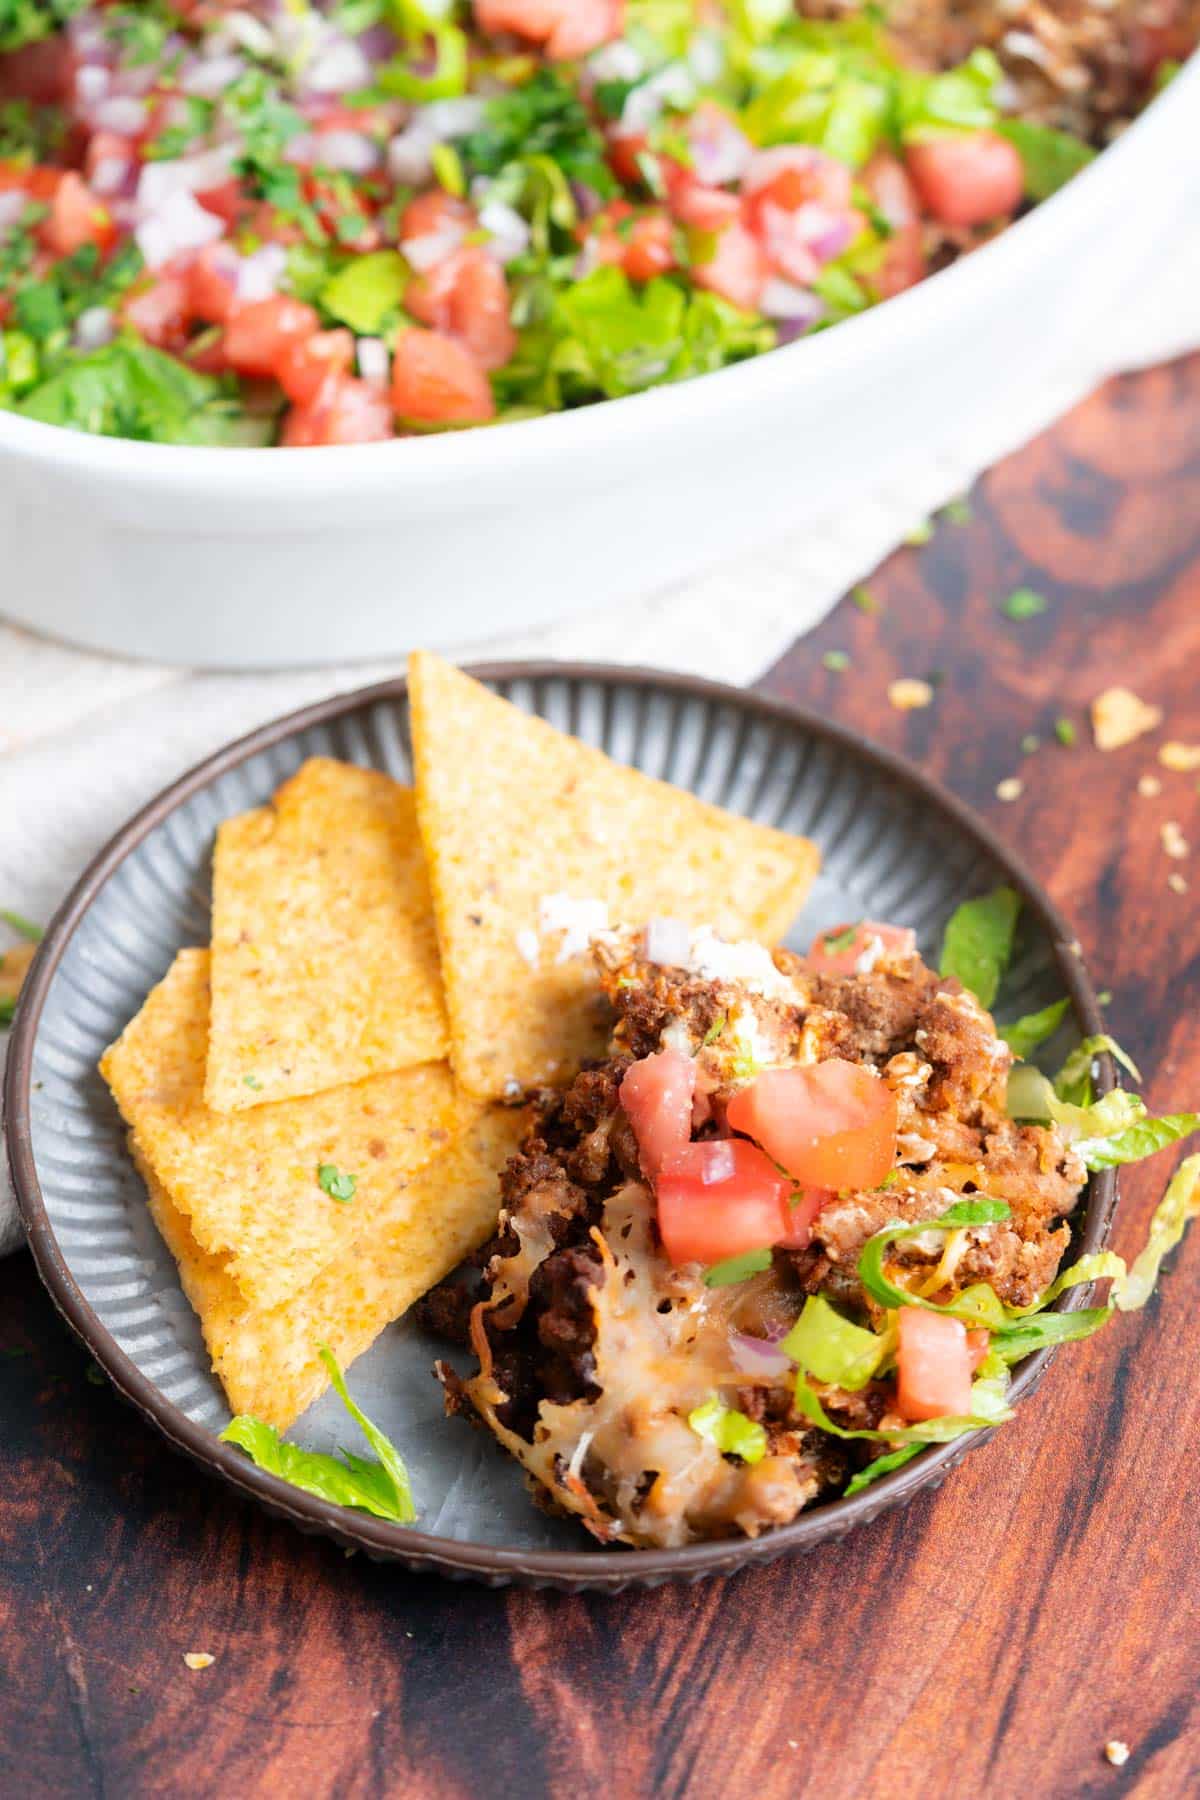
column 1074, row 1080
column 1139, row 1139
column 1050, row 158
column 380, row 1487
column 832, row 1347
column 737, row 1268
column 977, row 946
column 366, row 292
column 883, row 1465
column 1174, row 1212
column 1023, row 1035
column 989, row 1406
column 128, row 389
column 731, row 1431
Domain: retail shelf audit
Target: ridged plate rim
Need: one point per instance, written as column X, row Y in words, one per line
column 569, row 1570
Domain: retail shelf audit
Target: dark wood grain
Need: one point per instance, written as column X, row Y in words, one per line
column 989, row 1639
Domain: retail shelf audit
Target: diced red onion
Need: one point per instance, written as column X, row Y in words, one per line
column 184, row 174
column 136, row 80
column 641, row 110
column 338, row 67
column 669, row 942
column 783, row 300
column 258, row 275
column 120, row 113
column 720, row 152
column 374, row 364
column 508, row 230
column 424, row 253
column 765, row 165
column 110, row 175
column 12, row 204
column 758, row 1356
column 301, row 149
column 619, row 61
column 179, row 224
column 95, row 328
column 249, row 32
column 408, row 156
column 91, row 83
column 351, row 151
column 836, row 237
column 209, row 76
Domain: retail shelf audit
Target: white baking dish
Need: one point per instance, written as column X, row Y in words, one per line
column 252, row 558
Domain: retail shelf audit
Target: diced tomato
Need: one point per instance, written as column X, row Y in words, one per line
column 38, row 182
column 703, row 208
column 968, row 178
column 568, row 28
column 160, row 312
column 657, row 1094
column 343, row 411
column 76, row 218
column 107, row 147
column 435, row 381
column 794, row 175
column 894, row 940
column 903, row 264
column 737, row 270
column 624, row 150
column 257, row 334
column 830, row 1124
column 226, row 200
column 434, row 212
column 304, row 364
column 800, row 1210
column 466, row 296
column 648, row 248
column 720, row 1199
column 211, row 277
column 933, row 1363
column 978, row 1345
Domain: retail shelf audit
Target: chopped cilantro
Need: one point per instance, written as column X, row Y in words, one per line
column 544, row 117
column 332, row 1182
column 835, row 941
column 1024, row 603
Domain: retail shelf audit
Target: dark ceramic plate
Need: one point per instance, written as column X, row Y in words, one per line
column 895, row 846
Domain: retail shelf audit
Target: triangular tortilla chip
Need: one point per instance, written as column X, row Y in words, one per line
column 324, row 953
column 250, row 1183
column 266, row 1358
column 513, row 813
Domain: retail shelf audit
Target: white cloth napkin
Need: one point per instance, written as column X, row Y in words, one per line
column 85, row 740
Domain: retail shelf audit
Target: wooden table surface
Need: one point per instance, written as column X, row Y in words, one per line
column 986, row 1641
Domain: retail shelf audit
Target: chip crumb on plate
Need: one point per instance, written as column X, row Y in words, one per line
column 1118, row 717
column 1183, row 758
column 198, row 1659
column 1117, row 1752
column 1177, row 882
column 1149, row 786
column 1011, row 788
column 909, row 694
column 1173, row 840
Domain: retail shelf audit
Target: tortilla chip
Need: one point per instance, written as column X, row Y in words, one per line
column 248, row 1182
column 511, row 812
column 266, row 1359
column 324, row 953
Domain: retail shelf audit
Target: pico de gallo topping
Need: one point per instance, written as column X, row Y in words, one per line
column 299, row 224
column 802, row 1224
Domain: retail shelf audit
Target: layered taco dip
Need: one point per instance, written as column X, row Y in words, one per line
column 294, row 224
column 799, row 1224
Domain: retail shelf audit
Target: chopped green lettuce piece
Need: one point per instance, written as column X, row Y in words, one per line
column 1174, row 1212
column 979, row 940
column 1024, row 1035
column 883, row 1465
column 731, row 1431
column 832, row 1347
column 366, row 292
column 989, row 1406
column 1050, row 158
column 1140, row 1139
column 23, row 927
column 381, row 1487
column 128, row 389
column 737, row 1268
column 1074, row 1080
